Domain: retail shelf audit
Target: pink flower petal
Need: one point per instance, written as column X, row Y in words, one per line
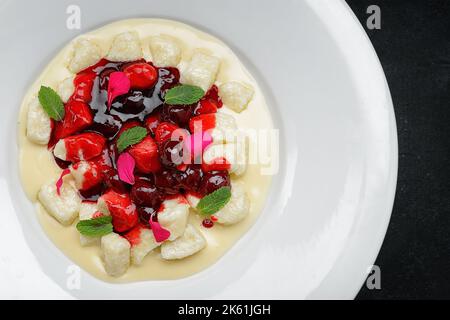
column 118, row 84
column 125, row 167
column 159, row 232
column 60, row 181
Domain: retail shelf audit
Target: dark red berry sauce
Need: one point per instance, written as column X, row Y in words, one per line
column 143, row 105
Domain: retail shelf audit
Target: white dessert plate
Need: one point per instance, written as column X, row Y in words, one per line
column 331, row 201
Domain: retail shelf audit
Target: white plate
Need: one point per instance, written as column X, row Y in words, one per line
column 331, row 202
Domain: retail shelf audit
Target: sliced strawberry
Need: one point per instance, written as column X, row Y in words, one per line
column 164, row 131
column 87, row 174
column 83, row 146
column 152, row 123
column 202, row 123
column 77, row 117
column 103, row 161
column 218, row 164
column 213, row 95
column 205, row 106
column 145, row 153
column 122, row 209
column 141, row 75
column 83, row 83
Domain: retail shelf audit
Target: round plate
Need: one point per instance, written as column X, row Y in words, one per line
column 331, row 200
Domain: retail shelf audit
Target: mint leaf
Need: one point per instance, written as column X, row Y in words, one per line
column 184, row 94
column 51, row 103
column 96, row 227
column 214, row 201
column 131, row 136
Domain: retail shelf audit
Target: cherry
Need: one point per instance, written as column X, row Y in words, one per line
column 151, row 123
column 190, row 179
column 171, row 153
column 167, row 181
column 208, row 223
column 177, row 114
column 112, row 181
column 170, row 78
column 213, row 181
column 131, row 103
column 145, row 213
column 141, row 75
column 106, row 125
column 144, row 193
column 164, row 131
column 104, row 77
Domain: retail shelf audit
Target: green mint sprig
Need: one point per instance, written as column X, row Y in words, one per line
column 51, row 103
column 183, row 94
column 214, row 201
column 130, row 136
column 96, row 227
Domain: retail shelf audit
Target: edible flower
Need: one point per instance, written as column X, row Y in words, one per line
column 118, row 84
column 59, row 182
column 125, row 168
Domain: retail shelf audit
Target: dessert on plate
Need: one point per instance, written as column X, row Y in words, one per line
column 133, row 147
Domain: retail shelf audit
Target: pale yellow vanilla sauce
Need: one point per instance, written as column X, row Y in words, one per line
column 37, row 165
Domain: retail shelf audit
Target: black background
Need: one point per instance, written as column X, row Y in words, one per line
column 413, row 45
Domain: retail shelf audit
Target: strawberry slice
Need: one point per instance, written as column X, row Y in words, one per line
column 121, row 208
column 213, row 95
column 205, row 106
column 87, row 174
column 83, row 83
column 210, row 102
column 164, row 131
column 141, row 75
column 77, row 117
column 218, row 164
column 145, row 153
column 83, row 146
column 202, row 123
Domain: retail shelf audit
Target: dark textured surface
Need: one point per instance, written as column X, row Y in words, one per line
column 414, row 49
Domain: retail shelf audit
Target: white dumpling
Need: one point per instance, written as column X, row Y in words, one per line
column 66, row 88
column 87, row 211
column 237, row 208
column 174, row 216
column 85, row 54
column 236, row 95
column 115, row 254
column 126, row 46
column 191, row 242
column 201, row 71
column 165, row 52
column 63, row 207
column 39, row 126
column 235, row 155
